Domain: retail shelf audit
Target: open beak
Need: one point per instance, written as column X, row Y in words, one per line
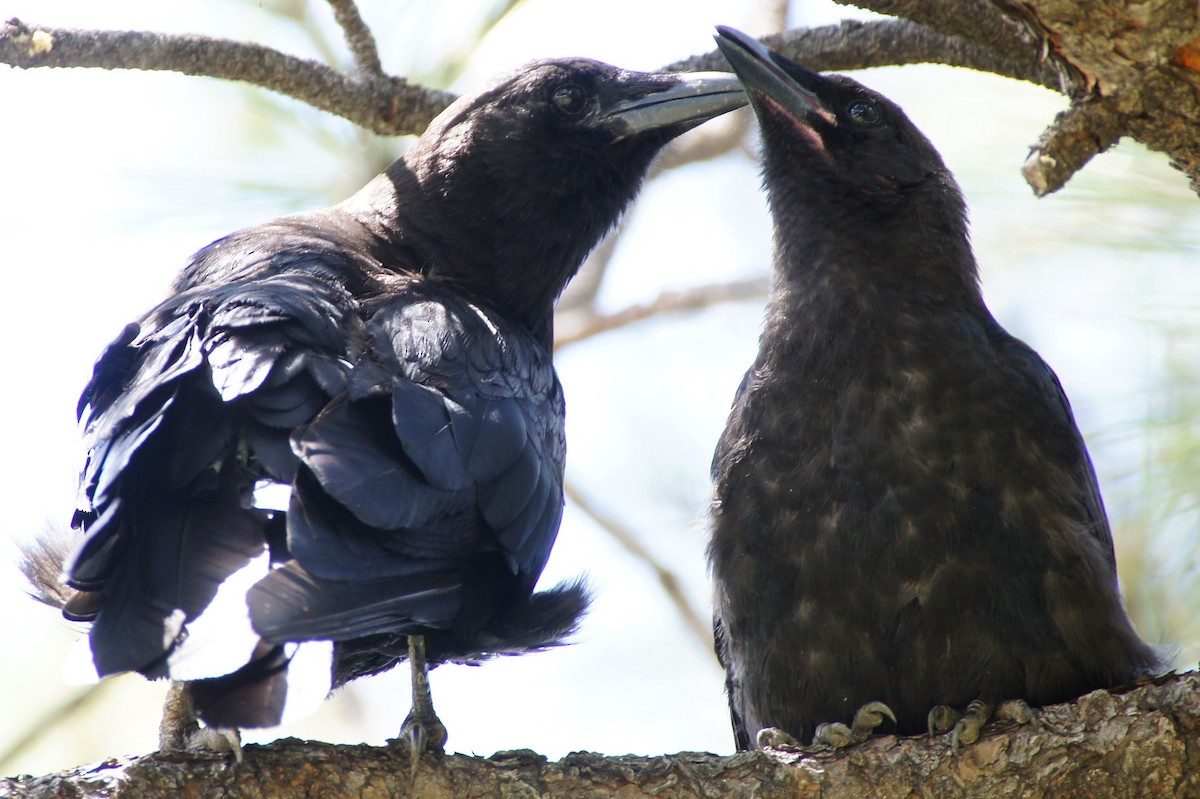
column 763, row 74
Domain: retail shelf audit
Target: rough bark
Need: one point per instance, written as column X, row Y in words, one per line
column 1138, row 63
column 1141, row 743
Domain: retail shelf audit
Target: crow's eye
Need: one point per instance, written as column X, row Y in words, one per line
column 570, row 98
column 862, row 113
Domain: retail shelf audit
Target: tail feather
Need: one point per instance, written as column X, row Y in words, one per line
column 544, row 620
column 41, row 562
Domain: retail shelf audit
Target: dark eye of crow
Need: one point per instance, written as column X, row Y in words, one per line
column 570, row 98
column 863, row 113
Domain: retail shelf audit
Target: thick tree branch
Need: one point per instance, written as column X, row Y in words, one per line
column 380, row 103
column 984, row 25
column 1142, row 743
column 358, row 37
column 852, row 44
column 1137, row 74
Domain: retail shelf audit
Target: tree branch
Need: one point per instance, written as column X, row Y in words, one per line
column 1080, row 132
column 984, row 25
column 1116, row 47
column 392, row 106
column 383, row 104
column 1145, row 742
column 852, row 44
column 581, row 324
column 671, row 585
column 358, row 37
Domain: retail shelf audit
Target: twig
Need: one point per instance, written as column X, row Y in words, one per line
column 49, row 721
column 1077, row 134
column 701, row 629
column 383, row 104
column 577, row 326
column 358, row 37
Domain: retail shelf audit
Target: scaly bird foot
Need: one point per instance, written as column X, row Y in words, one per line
column 964, row 728
column 422, row 730
column 777, row 739
column 966, row 731
column 422, row 733
column 179, row 731
column 866, row 719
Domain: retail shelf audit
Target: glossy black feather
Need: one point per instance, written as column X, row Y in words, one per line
column 388, row 361
column 905, row 510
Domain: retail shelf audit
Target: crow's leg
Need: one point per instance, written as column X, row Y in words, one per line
column 422, row 730
column 866, row 719
column 179, row 731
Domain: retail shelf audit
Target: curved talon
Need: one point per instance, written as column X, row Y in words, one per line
column 867, row 718
column 413, row 735
column 1017, row 711
column 775, row 738
column 966, row 731
column 834, row 734
column 219, row 740
column 941, row 718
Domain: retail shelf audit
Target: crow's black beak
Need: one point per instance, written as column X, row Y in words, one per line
column 764, row 73
column 686, row 99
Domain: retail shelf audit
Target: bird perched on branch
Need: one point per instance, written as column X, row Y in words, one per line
column 905, row 512
column 388, row 361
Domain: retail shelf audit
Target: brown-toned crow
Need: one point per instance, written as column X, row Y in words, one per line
column 905, row 510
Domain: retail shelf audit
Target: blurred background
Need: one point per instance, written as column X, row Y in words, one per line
column 110, row 180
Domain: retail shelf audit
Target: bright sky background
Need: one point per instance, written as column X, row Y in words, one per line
column 110, row 180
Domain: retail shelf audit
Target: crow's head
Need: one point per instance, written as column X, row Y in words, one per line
column 854, row 187
column 510, row 188
column 832, row 133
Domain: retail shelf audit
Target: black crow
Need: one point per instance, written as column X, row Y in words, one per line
column 905, row 511
column 388, row 362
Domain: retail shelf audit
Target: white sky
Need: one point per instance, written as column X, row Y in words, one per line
column 110, row 180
